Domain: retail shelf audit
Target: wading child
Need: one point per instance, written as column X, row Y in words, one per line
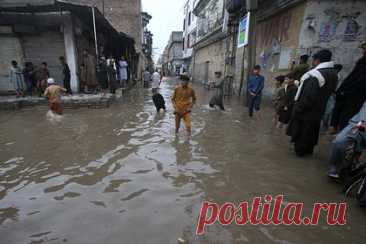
column 159, row 101
column 53, row 93
column 288, row 101
column 218, row 99
column 183, row 100
column 278, row 95
column 255, row 88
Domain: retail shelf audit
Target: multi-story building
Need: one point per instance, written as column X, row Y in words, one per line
column 147, row 41
column 210, row 47
column 124, row 15
column 173, row 54
column 284, row 31
column 189, row 34
column 287, row 29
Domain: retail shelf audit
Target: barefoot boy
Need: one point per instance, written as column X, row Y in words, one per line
column 53, row 93
column 183, row 100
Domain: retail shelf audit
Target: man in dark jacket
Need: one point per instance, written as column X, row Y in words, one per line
column 315, row 88
column 66, row 75
column 351, row 94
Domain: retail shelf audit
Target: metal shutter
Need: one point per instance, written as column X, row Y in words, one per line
column 45, row 47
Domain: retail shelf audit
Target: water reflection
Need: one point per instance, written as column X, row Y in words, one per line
column 120, row 175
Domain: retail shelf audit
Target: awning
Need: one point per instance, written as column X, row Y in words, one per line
column 83, row 12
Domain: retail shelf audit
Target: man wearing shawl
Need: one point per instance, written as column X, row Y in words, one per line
column 310, row 101
column 90, row 71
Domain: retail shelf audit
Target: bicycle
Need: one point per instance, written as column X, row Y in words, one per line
column 354, row 171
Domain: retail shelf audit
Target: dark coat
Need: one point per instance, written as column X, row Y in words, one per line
column 159, row 101
column 351, row 95
column 309, row 109
column 103, row 75
column 112, row 78
column 287, row 103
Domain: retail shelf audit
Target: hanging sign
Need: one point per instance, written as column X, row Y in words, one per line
column 243, row 34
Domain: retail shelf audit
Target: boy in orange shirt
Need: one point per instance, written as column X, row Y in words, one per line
column 183, row 100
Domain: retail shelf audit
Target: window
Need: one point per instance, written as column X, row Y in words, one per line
column 189, row 41
column 189, row 18
column 183, row 43
column 184, row 24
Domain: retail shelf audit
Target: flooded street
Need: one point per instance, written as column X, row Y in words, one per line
column 120, row 175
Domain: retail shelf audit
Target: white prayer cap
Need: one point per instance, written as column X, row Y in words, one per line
column 50, row 81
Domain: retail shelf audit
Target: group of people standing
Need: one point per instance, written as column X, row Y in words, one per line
column 30, row 79
column 109, row 74
column 309, row 97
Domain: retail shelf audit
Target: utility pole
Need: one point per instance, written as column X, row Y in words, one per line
column 95, row 33
column 252, row 6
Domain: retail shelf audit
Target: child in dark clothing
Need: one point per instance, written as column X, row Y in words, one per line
column 159, row 101
column 287, row 103
column 255, row 88
column 278, row 95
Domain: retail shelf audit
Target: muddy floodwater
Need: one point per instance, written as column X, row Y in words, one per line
column 120, row 175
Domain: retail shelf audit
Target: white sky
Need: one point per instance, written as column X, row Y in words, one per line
column 167, row 16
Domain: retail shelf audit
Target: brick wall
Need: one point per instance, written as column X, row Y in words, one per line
column 125, row 16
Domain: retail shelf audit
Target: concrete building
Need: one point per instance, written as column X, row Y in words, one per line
column 210, row 48
column 189, row 34
column 163, row 61
column 173, row 54
column 126, row 17
column 287, row 29
column 147, row 42
column 49, row 29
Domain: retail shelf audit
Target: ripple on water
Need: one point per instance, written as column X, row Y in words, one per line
column 134, row 195
column 67, row 195
column 114, row 185
column 99, row 204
